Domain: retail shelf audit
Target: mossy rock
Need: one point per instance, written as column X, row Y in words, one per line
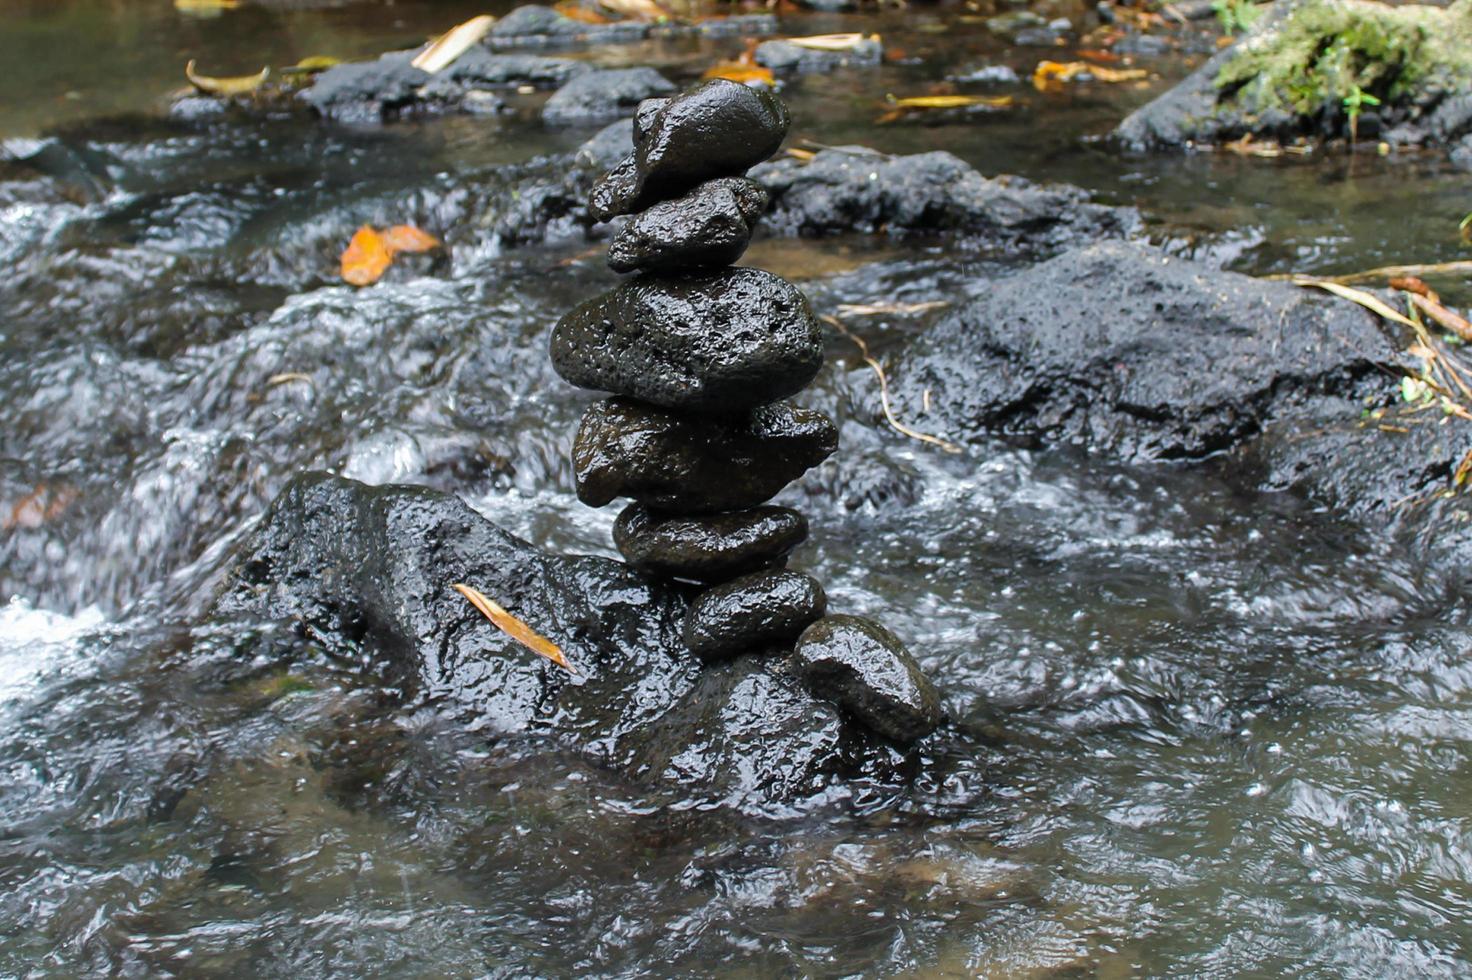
column 1325, row 50
column 1409, row 66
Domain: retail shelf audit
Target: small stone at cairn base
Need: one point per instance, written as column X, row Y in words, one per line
column 699, row 358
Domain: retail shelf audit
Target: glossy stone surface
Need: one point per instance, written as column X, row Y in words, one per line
column 866, row 671
column 722, row 341
column 756, row 610
column 707, row 548
column 710, row 226
column 695, row 464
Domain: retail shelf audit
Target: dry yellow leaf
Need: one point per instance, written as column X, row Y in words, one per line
column 453, row 43
column 1367, row 300
column 831, row 42
column 637, row 9
column 738, row 71
column 515, row 628
column 235, row 85
column 1055, row 72
column 950, row 101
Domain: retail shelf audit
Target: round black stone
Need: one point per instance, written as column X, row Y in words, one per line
column 756, row 610
column 707, row 548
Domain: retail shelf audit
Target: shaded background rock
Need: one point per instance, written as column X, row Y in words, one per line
column 1127, row 351
column 602, row 94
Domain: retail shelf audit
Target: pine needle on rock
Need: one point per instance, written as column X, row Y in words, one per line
column 515, row 628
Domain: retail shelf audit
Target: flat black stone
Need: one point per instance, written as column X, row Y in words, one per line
column 716, row 129
column 866, row 670
column 723, row 341
column 708, row 548
column 710, row 226
column 695, row 464
column 755, row 610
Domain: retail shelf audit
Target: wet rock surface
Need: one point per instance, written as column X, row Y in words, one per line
column 602, row 94
column 1277, row 83
column 858, row 189
column 1127, row 351
column 537, row 26
column 695, row 464
column 784, row 56
column 710, row 226
column 767, row 608
column 390, row 86
column 367, row 572
column 721, row 341
column 707, row 548
column 719, row 128
column 864, row 669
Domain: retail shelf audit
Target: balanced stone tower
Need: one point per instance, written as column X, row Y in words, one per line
column 699, row 357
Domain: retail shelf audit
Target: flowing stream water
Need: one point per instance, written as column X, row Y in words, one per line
column 1223, row 733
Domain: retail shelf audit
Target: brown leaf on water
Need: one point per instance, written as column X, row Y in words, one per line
column 407, row 238
column 40, row 506
column 366, row 258
column 370, row 252
column 514, row 628
column 573, row 10
column 234, row 85
column 453, row 43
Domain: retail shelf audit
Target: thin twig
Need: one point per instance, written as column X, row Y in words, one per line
column 1460, row 267
column 899, row 426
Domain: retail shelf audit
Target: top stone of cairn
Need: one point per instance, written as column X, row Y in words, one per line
column 719, row 128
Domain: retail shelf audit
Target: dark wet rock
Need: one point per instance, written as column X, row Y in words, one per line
column 831, row 6
column 707, row 548
column 737, row 25
column 762, row 609
column 719, row 128
column 366, row 573
column 1258, row 86
column 857, row 189
column 1462, row 155
column 366, row 91
column 1392, row 472
column 600, row 95
column 1125, row 350
column 695, row 464
column 535, row 26
column 710, row 226
column 719, row 341
column 752, row 734
column 1137, row 45
column 784, row 56
column 605, row 148
column 864, row 669
column 390, row 86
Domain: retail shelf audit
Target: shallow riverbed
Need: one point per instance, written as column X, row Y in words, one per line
column 1200, row 730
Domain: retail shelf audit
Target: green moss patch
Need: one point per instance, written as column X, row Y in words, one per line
column 1325, row 50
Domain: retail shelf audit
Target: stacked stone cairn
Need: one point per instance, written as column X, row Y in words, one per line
column 700, row 358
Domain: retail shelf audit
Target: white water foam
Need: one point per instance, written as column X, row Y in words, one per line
column 37, row 645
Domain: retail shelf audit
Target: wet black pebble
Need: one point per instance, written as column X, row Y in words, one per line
column 707, row 548
column 710, row 226
column 756, row 610
column 866, row 670
column 695, row 464
column 722, row 341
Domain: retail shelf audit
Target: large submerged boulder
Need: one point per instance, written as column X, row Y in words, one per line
column 853, row 188
column 1303, row 64
column 1122, row 349
column 367, row 573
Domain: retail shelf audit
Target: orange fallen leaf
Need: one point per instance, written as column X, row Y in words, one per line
column 514, row 628
column 573, row 10
column 41, row 505
column 1054, row 72
column 366, row 258
column 407, row 238
column 737, row 72
column 370, row 253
